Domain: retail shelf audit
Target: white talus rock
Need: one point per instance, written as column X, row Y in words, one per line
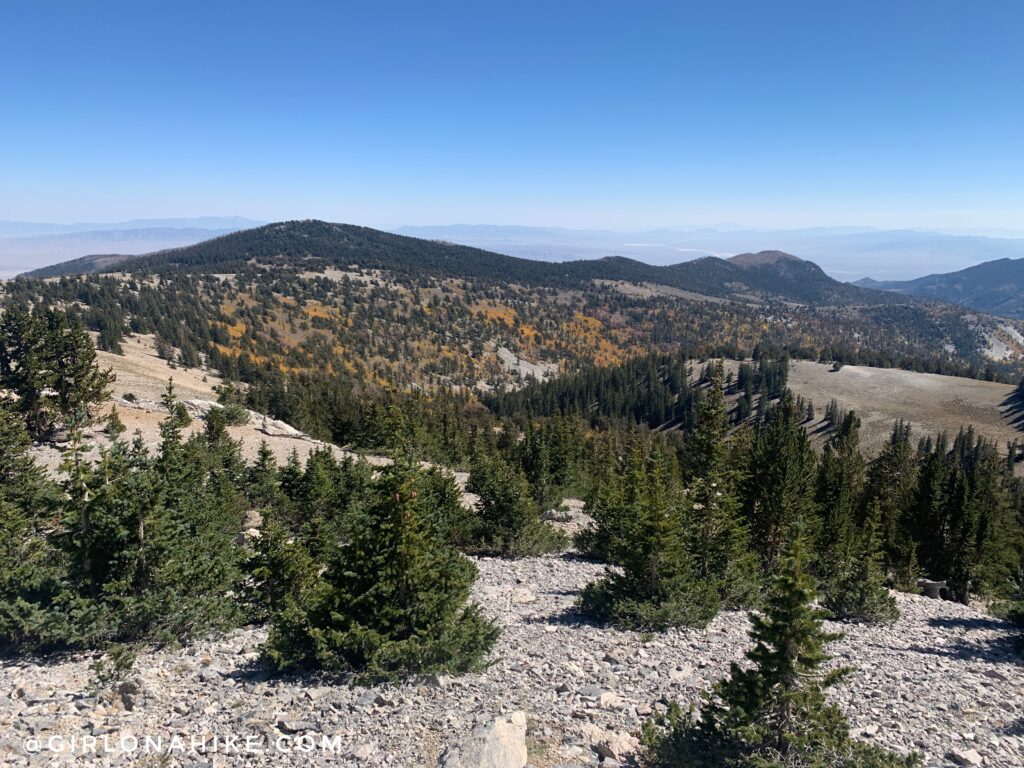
column 499, row 744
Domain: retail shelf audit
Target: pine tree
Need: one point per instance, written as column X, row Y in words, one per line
column 280, row 571
column 509, row 521
column 615, row 492
column 840, row 485
column 263, row 480
column 855, row 590
column 78, row 382
column 772, row 713
column 657, row 586
column 719, row 543
column 779, row 483
column 706, row 445
column 449, row 519
column 891, row 485
column 392, row 600
column 717, row 537
column 25, row 367
column 49, row 362
column 114, row 426
column 963, row 520
column 606, row 507
column 30, row 574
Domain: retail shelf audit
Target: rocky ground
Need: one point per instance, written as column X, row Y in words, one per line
column 944, row 680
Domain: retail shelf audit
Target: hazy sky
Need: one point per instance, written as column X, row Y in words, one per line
column 583, row 114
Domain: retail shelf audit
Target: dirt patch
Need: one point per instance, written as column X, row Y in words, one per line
column 142, row 373
column 652, row 290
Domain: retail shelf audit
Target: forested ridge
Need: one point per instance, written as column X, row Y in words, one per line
column 318, row 244
column 385, row 311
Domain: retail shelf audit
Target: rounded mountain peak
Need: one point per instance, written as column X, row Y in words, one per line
column 762, row 258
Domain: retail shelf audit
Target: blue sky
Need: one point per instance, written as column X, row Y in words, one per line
column 582, row 114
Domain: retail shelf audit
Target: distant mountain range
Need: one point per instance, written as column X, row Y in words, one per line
column 846, row 253
column 766, row 275
column 995, row 287
column 28, row 245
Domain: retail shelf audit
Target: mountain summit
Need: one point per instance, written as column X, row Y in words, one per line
column 763, row 258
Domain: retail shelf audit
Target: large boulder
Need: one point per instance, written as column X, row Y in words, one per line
column 618, row 746
column 498, row 744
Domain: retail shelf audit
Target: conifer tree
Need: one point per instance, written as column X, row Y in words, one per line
column 855, row 590
column 779, row 484
column 706, row 444
column 719, row 543
column 963, row 520
column 280, row 571
column 717, row 537
column 773, row 712
column 891, row 486
column 49, row 362
column 616, row 492
column 657, row 586
column 30, row 575
column 114, row 427
column 23, row 483
column 25, row 367
column 606, row 506
column 509, row 521
column 392, row 600
column 263, row 481
column 78, row 382
column 839, row 488
column 450, row 520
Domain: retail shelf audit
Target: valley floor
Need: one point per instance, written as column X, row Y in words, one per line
column 944, row 679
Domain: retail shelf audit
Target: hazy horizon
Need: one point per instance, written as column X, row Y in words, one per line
column 214, row 220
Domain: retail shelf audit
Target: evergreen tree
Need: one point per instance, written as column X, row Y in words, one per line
column 30, row 574
column 263, row 480
column 509, row 522
column 280, row 571
column 839, row 488
column 963, row 520
column 49, row 362
column 606, row 507
column 772, row 713
column 392, row 600
column 25, row 366
column 78, row 382
column 137, row 548
column 114, row 426
column 449, row 519
column 779, row 484
column 617, row 488
column 891, row 485
column 855, row 590
column 657, row 586
column 705, row 446
column 719, row 543
column 717, row 537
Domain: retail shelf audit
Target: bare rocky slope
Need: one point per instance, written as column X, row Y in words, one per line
column 945, row 681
